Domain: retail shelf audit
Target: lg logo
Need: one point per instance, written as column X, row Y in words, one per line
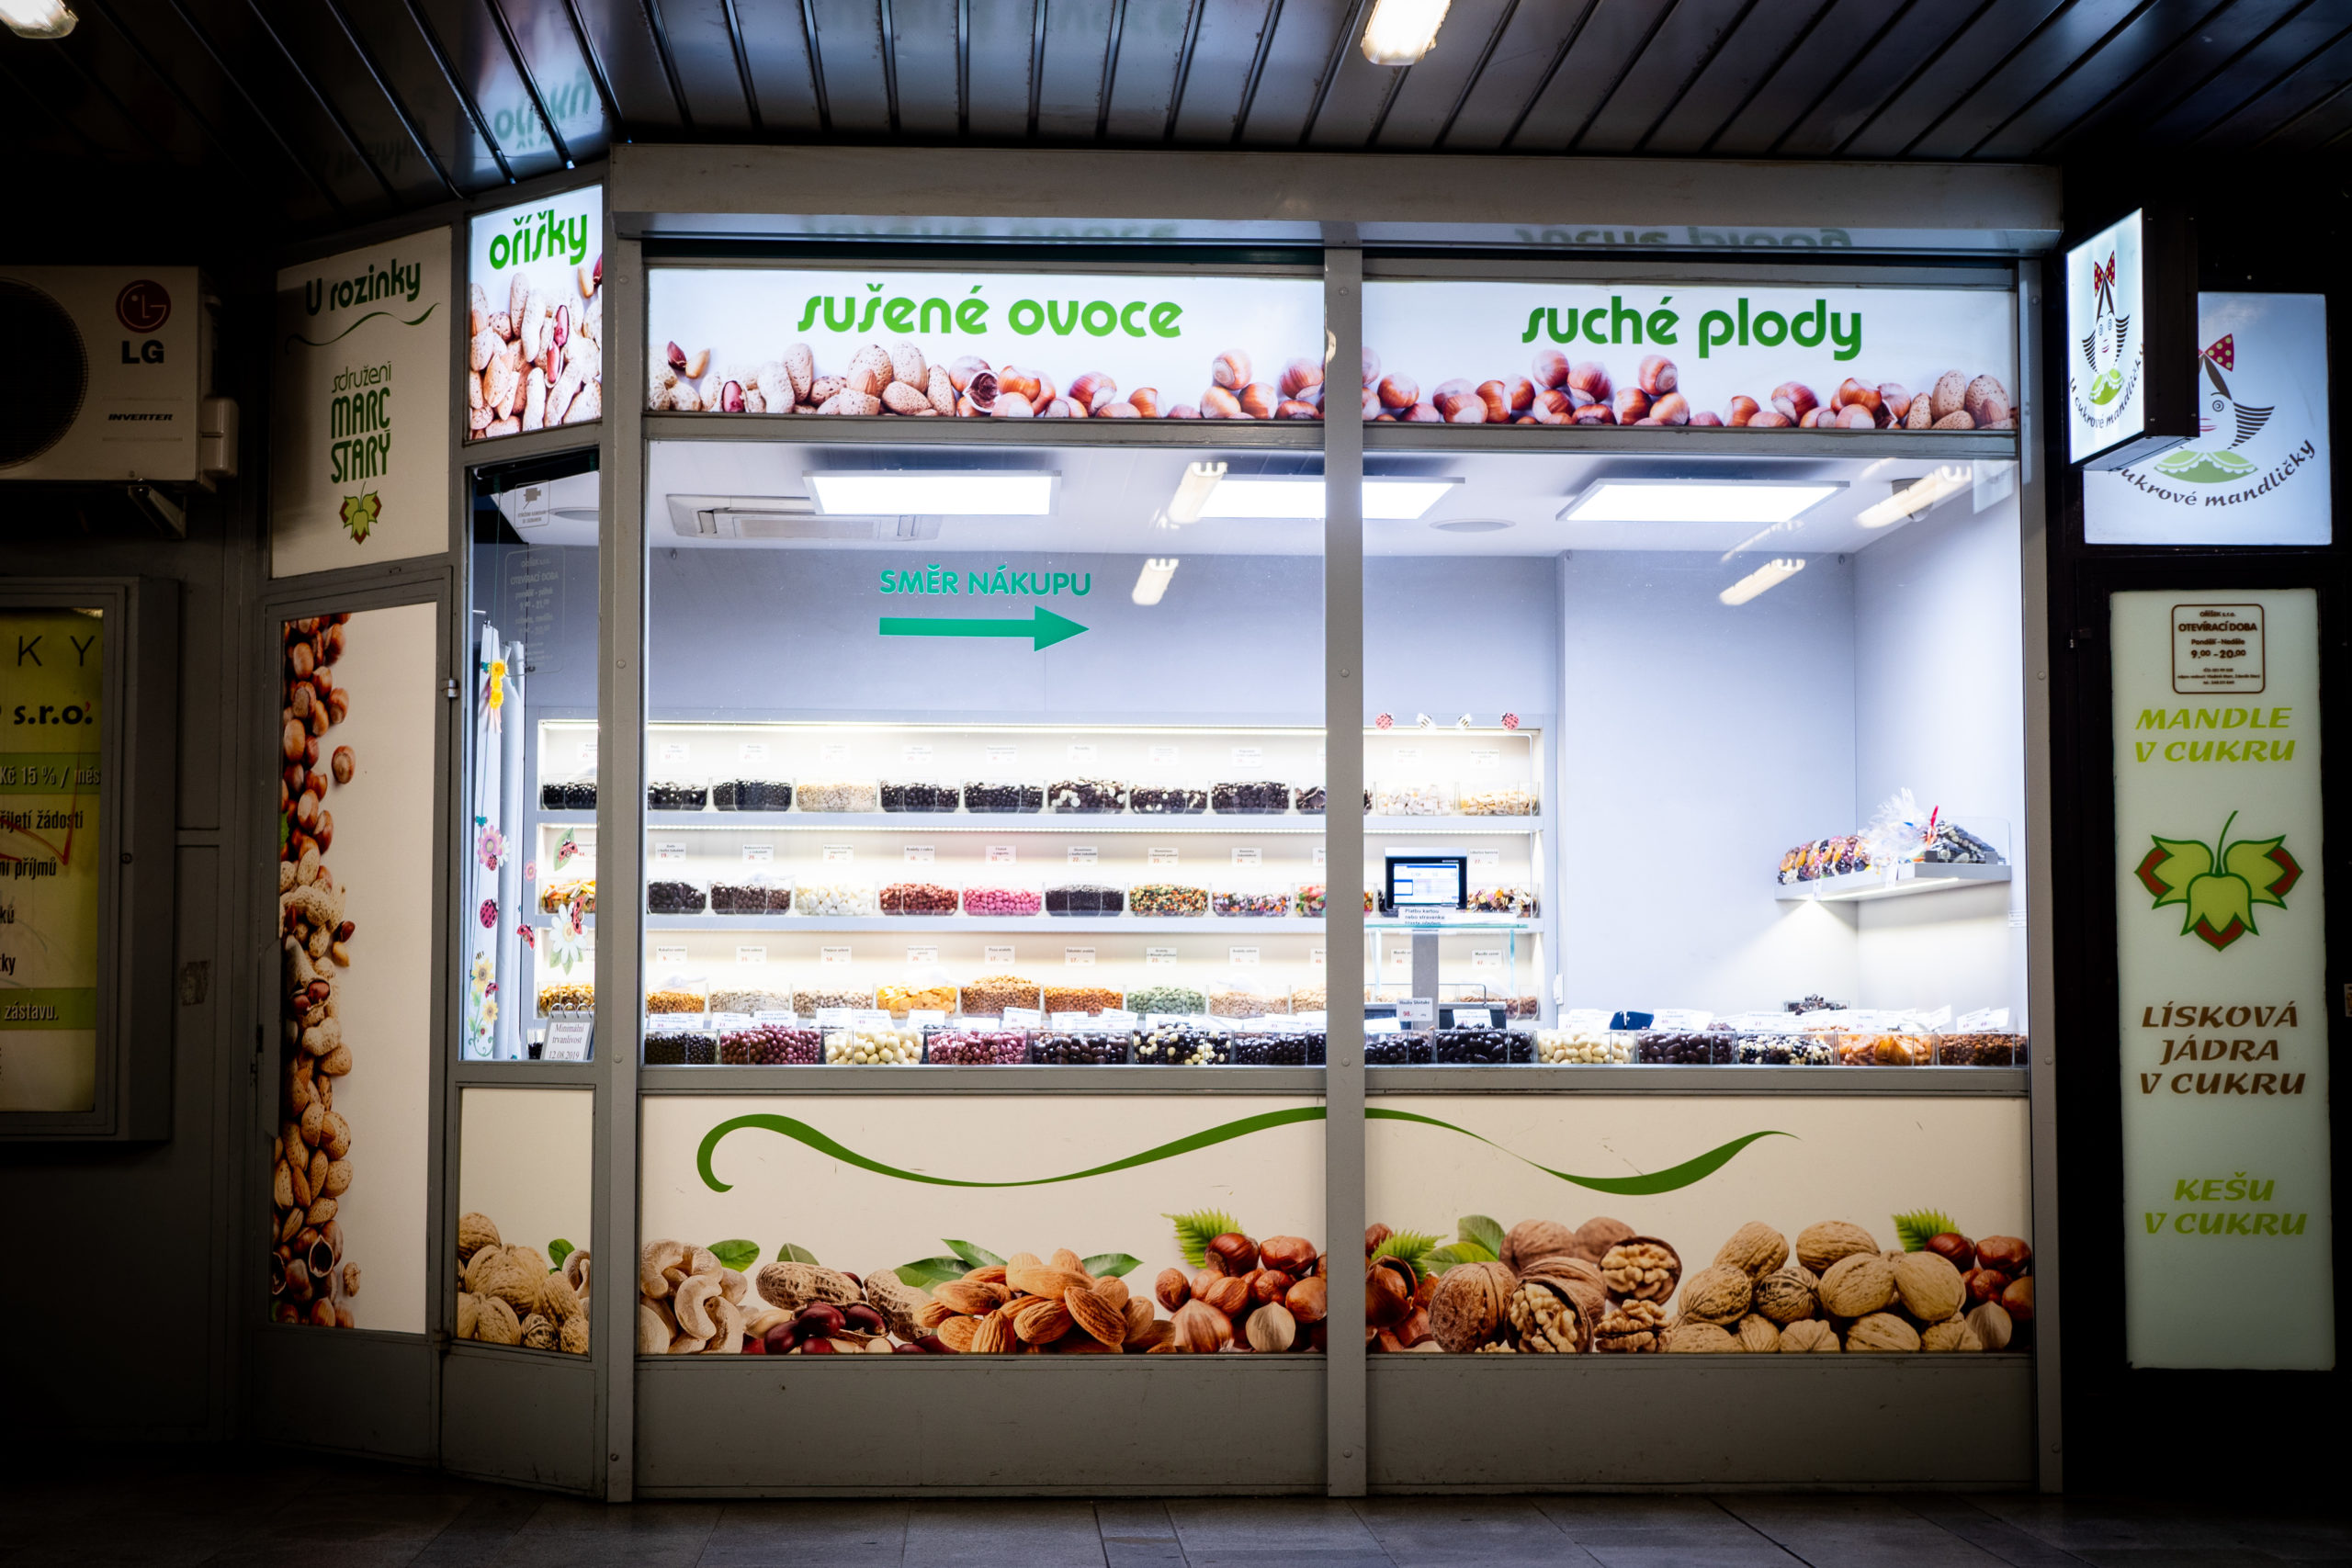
column 142, row 307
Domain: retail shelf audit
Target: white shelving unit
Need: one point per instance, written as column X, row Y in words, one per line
column 1901, row 881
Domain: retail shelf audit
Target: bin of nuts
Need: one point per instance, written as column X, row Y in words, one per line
column 988, row 996
column 1081, row 998
column 1179, row 1000
column 566, row 998
column 673, row 999
column 811, row 999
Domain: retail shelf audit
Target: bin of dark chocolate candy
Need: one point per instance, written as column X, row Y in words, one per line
column 1481, row 1048
column 1085, row 898
column 575, row 794
column 1079, row 1047
column 1982, row 1050
column 679, row 1039
column 673, row 898
column 1086, row 795
column 1398, row 1050
column 999, row 794
column 1313, row 800
column 1250, row 798
column 1784, row 1051
column 1167, row 800
column 771, row 1045
column 758, row 895
column 1685, row 1047
column 1279, row 1048
column 919, row 795
column 751, row 795
column 1184, row 1045
column 676, row 794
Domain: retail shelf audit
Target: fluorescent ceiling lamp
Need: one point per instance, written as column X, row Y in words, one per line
column 38, row 18
column 1193, row 492
column 1401, row 31
column 952, row 493
column 1914, row 497
column 1697, row 500
column 1385, row 501
column 1770, row 575
column 1154, row 580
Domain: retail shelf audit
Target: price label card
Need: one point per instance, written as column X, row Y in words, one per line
column 1398, row 961
column 1081, row 854
column 1249, row 756
column 838, row 854
column 1257, row 1026
column 870, row 1018
column 1473, row 1018
column 1585, row 1018
column 920, row 854
column 666, row 853
column 1024, row 1018
column 1683, row 1017
column 1315, row 959
column 1408, row 753
column 979, row 1021
column 999, row 855
column 1417, row 1009
column 568, row 1037
column 1163, row 753
column 588, row 749
column 784, row 1019
column 1083, row 756
column 997, row 954
column 1159, row 957
column 1486, row 860
column 1984, row 1021
column 1484, row 761
column 835, row 1017
column 1160, row 856
column 1487, row 960
column 755, row 752
column 1001, row 756
column 673, row 752
column 1383, row 1026
column 669, row 955
column 915, row 756
column 1313, row 1017
column 1243, row 957
column 1072, row 1019
column 751, row 954
column 1248, row 857
column 833, row 957
column 922, row 955
column 833, row 751
column 759, row 854
column 1318, row 855
column 1078, row 957
column 1117, row 1018
column 918, row 1017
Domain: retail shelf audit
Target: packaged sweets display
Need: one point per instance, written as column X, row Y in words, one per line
column 749, row 1000
column 993, row 796
column 936, row 996
column 868, row 1045
column 1094, row 795
column 771, row 1045
column 998, row 900
column 1079, row 1048
column 751, row 795
column 672, row 998
column 1683, row 1047
column 915, row 795
column 1980, row 1051
column 1286, row 1048
column 1167, row 800
column 574, row 795
column 1249, row 898
column 676, row 794
column 567, row 998
column 1817, row 857
column 1184, row 1045
column 759, row 896
column 683, row 1044
column 1582, row 1047
column 811, row 998
column 845, row 897
column 1309, row 900
column 1954, row 845
column 975, row 1047
column 1155, row 999
column 1515, row 901
column 988, row 996
column 1481, row 1048
column 917, row 898
column 668, row 897
column 1081, row 998
column 1506, row 800
column 1252, row 797
column 1400, row 797
column 838, row 795
column 1167, row 899
column 1084, row 899
column 1398, row 1050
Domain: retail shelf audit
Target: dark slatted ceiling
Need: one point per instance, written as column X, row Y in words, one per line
column 334, row 111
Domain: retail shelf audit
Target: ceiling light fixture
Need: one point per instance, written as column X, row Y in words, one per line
column 1153, row 581
column 1474, row 525
column 38, row 18
column 1772, row 574
column 1401, row 31
column 954, row 494
column 1193, row 492
column 1300, row 497
column 1911, row 500
column 1745, row 501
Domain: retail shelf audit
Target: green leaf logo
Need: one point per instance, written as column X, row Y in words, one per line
column 2218, row 887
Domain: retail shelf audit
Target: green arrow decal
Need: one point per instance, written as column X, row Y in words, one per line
column 1044, row 628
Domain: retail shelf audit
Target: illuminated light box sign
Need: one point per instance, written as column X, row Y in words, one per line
column 534, row 323
column 1006, row 346
column 1618, row 354
column 2129, row 314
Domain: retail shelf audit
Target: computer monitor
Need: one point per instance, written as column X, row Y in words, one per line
column 1426, row 882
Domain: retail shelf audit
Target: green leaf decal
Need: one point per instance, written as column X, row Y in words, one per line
column 738, row 1255
column 1113, row 1265
column 1412, row 1247
column 558, row 1250
column 1439, row 1259
column 1915, row 1229
column 787, row 1253
column 1196, row 1230
column 925, row 1273
column 1673, row 1178
column 1484, row 1232
column 2218, row 885
column 973, row 1257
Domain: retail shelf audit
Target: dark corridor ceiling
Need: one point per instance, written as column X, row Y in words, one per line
column 324, row 113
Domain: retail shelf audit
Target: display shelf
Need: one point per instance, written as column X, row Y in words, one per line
column 2009, row 1083
column 1076, row 925
column 1122, row 1079
column 1910, row 877
column 1044, row 823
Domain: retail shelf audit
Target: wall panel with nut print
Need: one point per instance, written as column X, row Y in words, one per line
column 1007, row 345
column 535, row 319
column 1702, row 357
column 524, row 1189
column 355, row 836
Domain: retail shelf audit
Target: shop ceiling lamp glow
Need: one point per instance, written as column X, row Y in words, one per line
column 1917, row 497
column 1193, row 492
column 1154, row 580
column 1770, row 575
column 1697, row 500
column 1401, row 31
column 1301, row 497
column 38, row 18
column 950, row 492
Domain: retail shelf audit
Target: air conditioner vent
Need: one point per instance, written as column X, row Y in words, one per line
column 786, row 517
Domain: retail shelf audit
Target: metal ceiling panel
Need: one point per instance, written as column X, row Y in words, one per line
column 475, row 49
column 2252, row 70
column 2029, row 70
column 1805, row 71
column 1001, row 45
column 1073, row 60
column 388, row 36
column 1739, row 70
column 1298, row 59
column 2301, row 88
column 849, row 47
column 1424, row 102
column 1973, row 54
column 541, row 35
column 325, row 55
column 926, row 65
column 69, row 96
column 1222, row 68
column 1901, row 57
column 1612, row 39
column 773, row 40
column 1355, row 100
column 1153, row 36
column 246, row 39
column 624, row 50
column 2177, row 70
column 702, row 51
column 127, row 81
column 2139, row 45
column 2325, row 125
column 1692, row 34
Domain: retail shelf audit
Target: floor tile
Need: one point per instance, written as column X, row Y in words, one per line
column 1857, row 1532
column 1226, row 1525
column 1044, row 1534
column 1962, row 1517
column 1491, row 1531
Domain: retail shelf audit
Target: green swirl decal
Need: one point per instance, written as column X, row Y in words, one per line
column 799, row 1132
column 293, row 338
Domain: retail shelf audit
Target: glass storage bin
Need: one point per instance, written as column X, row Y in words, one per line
column 751, row 990
column 929, row 990
column 1523, row 1008
column 1086, row 797
column 831, row 796
column 816, row 995
column 1165, row 792
column 1170, row 899
column 1084, row 899
column 918, row 897
column 1187, row 1002
column 1498, row 800
column 1684, row 1047
column 919, row 794
column 1398, row 1051
column 679, row 1039
column 1001, row 898
column 567, row 996
column 761, row 893
column 1079, row 1047
column 988, row 996
column 1184, row 1043
column 1308, row 899
column 1481, row 1048
column 1991, row 1049
column 872, row 1044
column 1088, row 1000
column 677, row 793
column 1244, row 994
column 1309, row 999
column 1250, row 798
column 765, row 1044
column 1277, row 1048
column 1885, row 1048
column 1505, row 900
column 751, row 795
column 1582, row 1046
column 975, row 1047
column 1411, row 797
column 555, row 897
column 1246, row 893
column 832, row 896
column 1015, row 796
column 678, row 993
column 1312, row 800
column 1791, row 1050
column 573, row 791
column 674, row 896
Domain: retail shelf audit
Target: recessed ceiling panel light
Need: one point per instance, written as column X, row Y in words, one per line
column 1401, row 31
column 1474, row 525
column 1748, row 501
column 942, row 492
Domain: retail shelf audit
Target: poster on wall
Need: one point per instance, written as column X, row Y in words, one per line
column 1853, row 359
column 535, row 316
column 357, row 778
column 985, row 344
column 52, row 795
column 1635, row 1225
column 2221, row 959
column 359, row 435
column 525, row 1181
column 2257, row 471
column 979, row 1224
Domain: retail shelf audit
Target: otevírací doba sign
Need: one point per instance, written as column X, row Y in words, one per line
column 2221, row 965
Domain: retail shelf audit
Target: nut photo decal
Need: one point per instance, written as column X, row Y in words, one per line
column 525, row 1175
column 984, row 346
column 536, row 317
column 1847, row 359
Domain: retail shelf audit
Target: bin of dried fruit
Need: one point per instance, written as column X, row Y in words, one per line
column 1507, row 800
column 1881, row 1048
column 674, row 1000
column 988, row 996
column 902, row 1000
column 567, row 998
column 558, row 896
column 1980, row 1050
column 511, row 1294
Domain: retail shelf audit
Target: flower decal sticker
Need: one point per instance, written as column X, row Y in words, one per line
column 359, row 515
column 2218, row 885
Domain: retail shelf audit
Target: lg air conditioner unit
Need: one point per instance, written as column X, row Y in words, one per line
column 112, row 379
column 738, row 518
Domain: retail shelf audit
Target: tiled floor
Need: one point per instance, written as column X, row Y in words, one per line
column 169, row 1510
